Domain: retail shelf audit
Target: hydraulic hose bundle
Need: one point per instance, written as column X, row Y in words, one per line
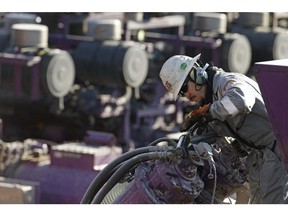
column 189, row 171
column 114, row 171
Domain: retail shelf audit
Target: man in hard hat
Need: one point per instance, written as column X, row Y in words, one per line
column 231, row 105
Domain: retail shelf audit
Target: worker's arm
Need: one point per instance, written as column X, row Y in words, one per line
column 238, row 97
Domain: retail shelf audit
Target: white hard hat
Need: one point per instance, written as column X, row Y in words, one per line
column 174, row 72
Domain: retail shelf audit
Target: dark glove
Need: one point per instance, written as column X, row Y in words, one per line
column 199, row 116
column 202, row 124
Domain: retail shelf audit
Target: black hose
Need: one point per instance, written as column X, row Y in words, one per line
column 169, row 141
column 105, row 174
column 124, row 169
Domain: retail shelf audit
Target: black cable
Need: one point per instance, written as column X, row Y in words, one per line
column 169, row 141
column 105, row 174
column 124, row 169
column 102, row 176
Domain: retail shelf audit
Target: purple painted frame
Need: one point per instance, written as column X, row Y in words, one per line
column 272, row 77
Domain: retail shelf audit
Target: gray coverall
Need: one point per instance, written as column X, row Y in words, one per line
column 238, row 101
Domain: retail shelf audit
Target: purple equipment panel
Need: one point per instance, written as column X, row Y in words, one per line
column 272, row 77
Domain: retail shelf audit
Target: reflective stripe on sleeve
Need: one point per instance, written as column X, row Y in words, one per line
column 229, row 106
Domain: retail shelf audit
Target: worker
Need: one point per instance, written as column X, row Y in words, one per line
column 231, row 105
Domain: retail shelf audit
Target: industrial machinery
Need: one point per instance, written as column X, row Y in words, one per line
column 79, row 90
column 191, row 169
column 50, row 173
column 272, row 79
column 267, row 39
column 194, row 170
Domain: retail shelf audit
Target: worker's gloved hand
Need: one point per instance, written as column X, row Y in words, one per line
column 199, row 118
column 202, row 124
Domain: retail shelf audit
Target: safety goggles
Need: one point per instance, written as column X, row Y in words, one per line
column 184, row 87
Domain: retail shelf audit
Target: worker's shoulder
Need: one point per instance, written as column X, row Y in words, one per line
column 223, row 75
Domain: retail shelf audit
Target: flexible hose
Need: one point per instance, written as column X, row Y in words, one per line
column 212, row 165
column 105, row 174
column 115, row 192
column 169, row 141
column 124, row 169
